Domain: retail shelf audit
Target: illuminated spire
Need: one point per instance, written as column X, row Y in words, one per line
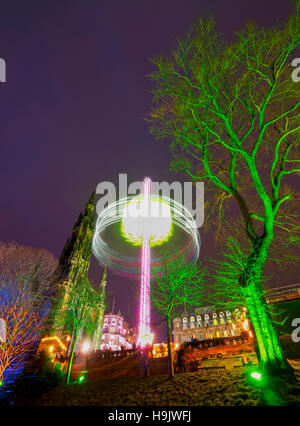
column 97, row 337
column 74, row 261
column 102, row 284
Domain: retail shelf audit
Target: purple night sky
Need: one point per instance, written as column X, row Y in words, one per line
column 73, row 105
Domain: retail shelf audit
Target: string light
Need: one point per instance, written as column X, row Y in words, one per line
column 45, row 339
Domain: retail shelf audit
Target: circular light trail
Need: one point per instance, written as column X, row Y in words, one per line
column 146, row 221
column 112, row 251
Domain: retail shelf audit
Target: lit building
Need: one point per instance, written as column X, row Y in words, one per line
column 114, row 333
column 131, row 335
column 206, row 324
column 283, row 294
column 54, row 345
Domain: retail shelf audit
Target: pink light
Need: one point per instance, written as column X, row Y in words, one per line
column 144, row 335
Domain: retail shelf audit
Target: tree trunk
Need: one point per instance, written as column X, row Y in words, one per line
column 170, row 357
column 71, row 357
column 271, row 355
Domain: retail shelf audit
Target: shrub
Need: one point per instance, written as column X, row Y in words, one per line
column 40, row 375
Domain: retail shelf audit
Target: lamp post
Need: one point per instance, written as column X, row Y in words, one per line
column 85, row 349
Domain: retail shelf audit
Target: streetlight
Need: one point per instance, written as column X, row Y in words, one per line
column 85, row 349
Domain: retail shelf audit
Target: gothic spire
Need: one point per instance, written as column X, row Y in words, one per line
column 91, row 201
column 103, row 282
column 104, row 275
column 92, row 198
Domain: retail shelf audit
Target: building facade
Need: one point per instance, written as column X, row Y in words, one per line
column 132, row 336
column 283, row 294
column 206, row 323
column 114, row 333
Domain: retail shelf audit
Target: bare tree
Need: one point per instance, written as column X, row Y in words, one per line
column 27, row 268
column 25, row 277
column 22, row 327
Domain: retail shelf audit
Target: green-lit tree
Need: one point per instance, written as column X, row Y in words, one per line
column 178, row 284
column 224, row 290
column 232, row 113
column 77, row 314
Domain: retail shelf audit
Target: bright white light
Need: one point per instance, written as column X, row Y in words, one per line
column 139, row 215
column 246, row 325
column 145, row 339
column 256, row 375
column 86, row 346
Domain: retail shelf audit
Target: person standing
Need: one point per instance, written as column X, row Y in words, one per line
column 147, row 358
